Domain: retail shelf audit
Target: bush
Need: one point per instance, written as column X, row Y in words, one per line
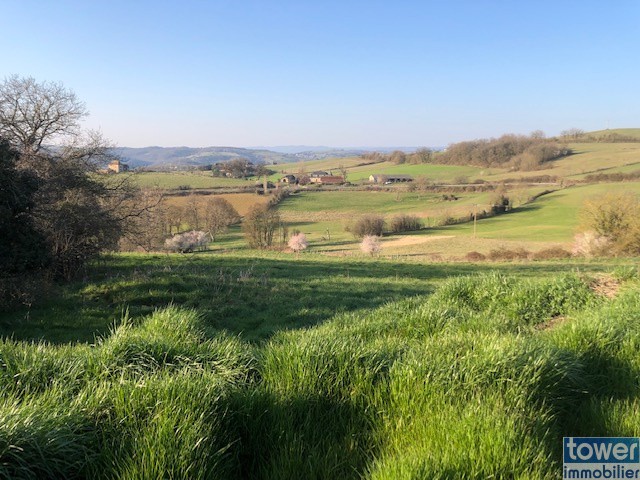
column 500, row 204
column 368, row 225
column 371, row 245
column 186, row 242
column 405, row 223
column 475, row 257
column 504, row 254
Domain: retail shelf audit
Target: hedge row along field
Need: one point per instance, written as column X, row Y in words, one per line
column 481, row 379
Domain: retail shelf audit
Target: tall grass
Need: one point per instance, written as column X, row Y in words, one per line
column 473, row 381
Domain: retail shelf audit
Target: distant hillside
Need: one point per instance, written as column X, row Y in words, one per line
column 177, row 157
column 184, row 157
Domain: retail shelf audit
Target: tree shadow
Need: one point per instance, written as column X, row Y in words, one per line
column 250, row 296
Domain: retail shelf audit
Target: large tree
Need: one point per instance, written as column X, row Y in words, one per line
column 75, row 211
column 22, row 247
column 33, row 113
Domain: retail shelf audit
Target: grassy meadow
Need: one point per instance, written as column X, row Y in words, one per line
column 550, row 221
column 277, row 366
column 190, row 179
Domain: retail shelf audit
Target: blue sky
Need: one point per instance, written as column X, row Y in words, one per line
column 339, row 73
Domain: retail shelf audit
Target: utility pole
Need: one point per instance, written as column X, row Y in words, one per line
column 475, row 218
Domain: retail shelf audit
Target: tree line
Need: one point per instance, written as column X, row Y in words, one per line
column 518, row 152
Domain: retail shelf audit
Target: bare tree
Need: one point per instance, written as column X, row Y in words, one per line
column 260, row 226
column 572, row 133
column 538, row 135
column 424, row 155
column 343, row 171
column 33, row 113
column 219, row 214
column 79, row 214
column 398, row 157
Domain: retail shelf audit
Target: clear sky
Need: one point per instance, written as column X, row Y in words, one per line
column 338, row 73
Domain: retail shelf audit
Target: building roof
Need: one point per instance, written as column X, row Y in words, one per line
column 331, row 179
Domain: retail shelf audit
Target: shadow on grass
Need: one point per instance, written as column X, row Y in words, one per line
column 300, row 436
column 252, row 295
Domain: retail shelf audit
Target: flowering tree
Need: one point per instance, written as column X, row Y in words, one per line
column 186, row 242
column 298, row 242
column 589, row 244
column 371, row 245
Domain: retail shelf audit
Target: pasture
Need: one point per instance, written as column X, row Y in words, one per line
column 277, row 366
column 550, row 221
column 189, row 179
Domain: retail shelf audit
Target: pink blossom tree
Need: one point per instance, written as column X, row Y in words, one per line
column 371, row 245
column 298, row 242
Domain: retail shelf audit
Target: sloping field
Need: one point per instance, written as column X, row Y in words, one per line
column 334, row 204
column 587, row 158
column 433, row 172
column 625, row 132
column 553, row 217
column 552, row 220
column 174, row 180
column 242, row 202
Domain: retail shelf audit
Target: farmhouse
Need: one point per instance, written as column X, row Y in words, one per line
column 328, row 180
column 290, row 179
column 116, row 166
column 319, row 173
column 391, row 178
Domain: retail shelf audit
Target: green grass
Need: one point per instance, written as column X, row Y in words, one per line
column 174, row 180
column 586, row 158
column 310, row 206
column 434, row 172
column 553, row 217
column 467, row 382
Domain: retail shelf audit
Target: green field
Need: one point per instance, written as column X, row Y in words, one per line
column 586, row 158
column 552, row 220
column 433, row 172
column 174, row 180
column 275, row 366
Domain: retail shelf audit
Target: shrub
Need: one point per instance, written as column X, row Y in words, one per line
column 186, row 242
column 611, row 214
column 500, row 204
column 298, row 242
column 475, row 257
column 371, row 245
column 405, row 223
column 368, row 225
column 504, row 254
column 614, row 217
